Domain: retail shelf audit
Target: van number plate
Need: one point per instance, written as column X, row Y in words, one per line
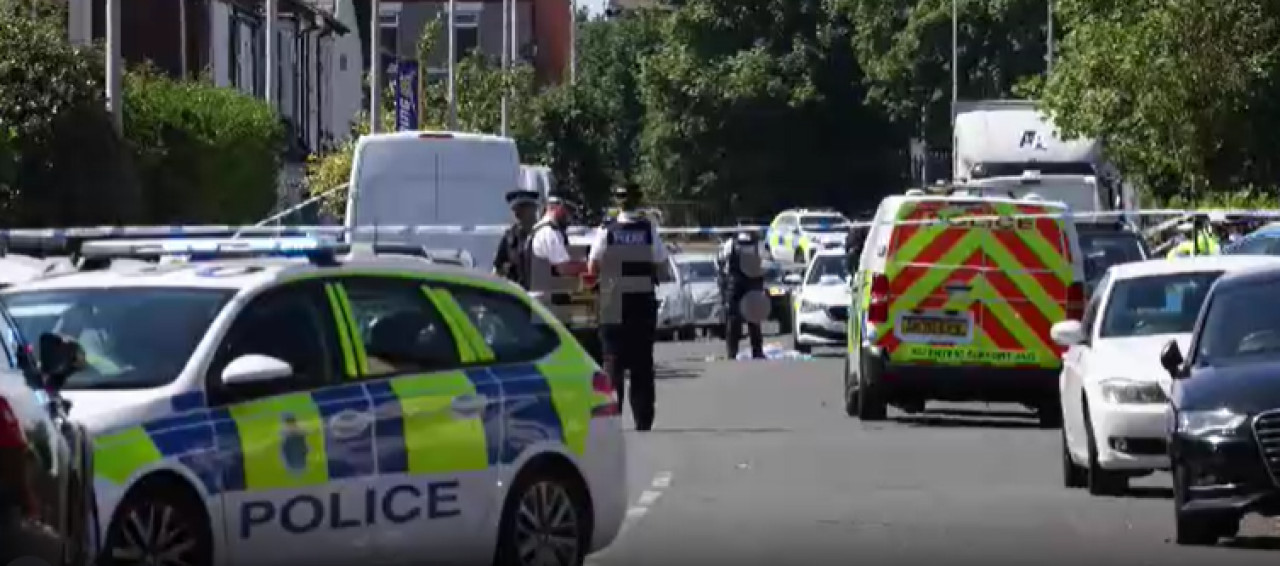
column 924, row 326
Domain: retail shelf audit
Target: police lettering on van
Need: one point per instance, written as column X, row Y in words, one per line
column 397, row 505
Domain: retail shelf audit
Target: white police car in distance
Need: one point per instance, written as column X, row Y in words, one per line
column 333, row 411
column 822, row 303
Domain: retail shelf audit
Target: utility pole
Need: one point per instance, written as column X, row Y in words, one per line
column 506, row 58
column 955, row 57
column 375, row 66
column 453, row 66
column 573, row 41
column 114, row 99
column 272, row 65
column 182, row 37
column 1049, row 51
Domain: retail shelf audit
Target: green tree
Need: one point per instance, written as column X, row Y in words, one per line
column 905, row 48
column 1184, row 94
column 756, row 105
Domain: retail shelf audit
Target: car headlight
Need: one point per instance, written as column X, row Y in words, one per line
column 1128, row 392
column 777, row 291
column 807, row 306
column 1209, row 423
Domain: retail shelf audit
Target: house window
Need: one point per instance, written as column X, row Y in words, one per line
column 466, row 27
column 233, row 50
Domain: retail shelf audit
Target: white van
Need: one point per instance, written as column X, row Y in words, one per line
column 434, row 178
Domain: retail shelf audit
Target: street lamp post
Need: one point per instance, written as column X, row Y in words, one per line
column 272, row 66
column 375, row 66
column 453, row 66
column 115, row 101
column 506, row 58
column 1049, row 51
column 573, row 41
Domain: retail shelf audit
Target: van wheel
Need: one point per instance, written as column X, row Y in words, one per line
column 1049, row 415
column 872, row 405
column 159, row 523
column 546, row 521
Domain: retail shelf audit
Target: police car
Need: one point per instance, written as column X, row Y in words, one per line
column 349, row 409
column 798, row 235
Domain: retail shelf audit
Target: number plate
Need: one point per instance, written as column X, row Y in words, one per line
column 935, row 326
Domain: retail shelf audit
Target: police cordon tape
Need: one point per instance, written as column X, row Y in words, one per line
column 178, row 231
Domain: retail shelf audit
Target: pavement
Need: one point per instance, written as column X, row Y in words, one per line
column 755, row 462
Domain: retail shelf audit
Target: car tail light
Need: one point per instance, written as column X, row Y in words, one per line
column 602, row 386
column 878, row 310
column 10, row 431
column 1075, row 301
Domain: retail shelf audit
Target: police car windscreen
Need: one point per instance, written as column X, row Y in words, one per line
column 822, row 223
column 133, row 337
column 835, row 268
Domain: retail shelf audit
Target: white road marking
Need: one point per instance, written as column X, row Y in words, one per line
column 647, row 498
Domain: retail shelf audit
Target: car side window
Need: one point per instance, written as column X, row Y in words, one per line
column 11, row 340
column 401, row 330
column 292, row 324
column 1090, row 318
column 511, row 329
column 1258, row 245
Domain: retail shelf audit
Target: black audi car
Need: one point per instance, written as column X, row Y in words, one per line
column 47, row 508
column 1224, row 444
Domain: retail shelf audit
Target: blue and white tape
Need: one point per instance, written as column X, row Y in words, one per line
column 180, row 231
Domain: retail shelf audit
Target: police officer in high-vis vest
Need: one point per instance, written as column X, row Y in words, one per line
column 1202, row 241
column 509, row 261
column 552, row 273
column 629, row 260
column 741, row 276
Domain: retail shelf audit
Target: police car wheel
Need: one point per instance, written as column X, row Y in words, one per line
column 158, row 523
column 546, row 522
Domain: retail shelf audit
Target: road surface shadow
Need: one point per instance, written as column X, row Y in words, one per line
column 1148, row 492
column 1254, row 543
column 968, row 418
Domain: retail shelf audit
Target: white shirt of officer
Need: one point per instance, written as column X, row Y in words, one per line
column 548, row 245
column 601, row 242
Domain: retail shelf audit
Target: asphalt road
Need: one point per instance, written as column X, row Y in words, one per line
column 756, row 463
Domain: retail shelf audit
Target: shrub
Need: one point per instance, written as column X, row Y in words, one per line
column 203, row 153
column 61, row 163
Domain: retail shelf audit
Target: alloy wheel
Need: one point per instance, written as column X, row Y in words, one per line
column 547, row 528
column 154, row 534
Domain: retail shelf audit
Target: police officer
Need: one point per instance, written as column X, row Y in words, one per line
column 741, row 275
column 509, row 262
column 629, row 259
column 1200, row 241
column 552, row 272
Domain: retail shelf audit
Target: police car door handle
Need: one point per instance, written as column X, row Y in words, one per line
column 469, row 405
column 350, row 423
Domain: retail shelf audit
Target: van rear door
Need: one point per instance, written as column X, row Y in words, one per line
column 976, row 291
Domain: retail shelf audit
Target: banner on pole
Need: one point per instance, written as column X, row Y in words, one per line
column 407, row 95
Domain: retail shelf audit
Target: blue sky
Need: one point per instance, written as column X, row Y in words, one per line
column 594, row 7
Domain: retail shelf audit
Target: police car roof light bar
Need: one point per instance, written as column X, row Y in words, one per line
column 193, row 249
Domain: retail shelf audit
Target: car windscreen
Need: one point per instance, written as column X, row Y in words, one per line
column 828, row 265
column 823, row 223
column 1101, row 251
column 698, row 270
column 1157, row 304
column 1240, row 326
column 132, row 337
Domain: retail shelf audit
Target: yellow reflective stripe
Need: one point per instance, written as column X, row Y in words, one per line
column 1034, row 292
column 465, row 352
column 118, row 455
column 435, row 440
column 357, row 341
column 1015, row 326
column 569, row 372
column 911, row 248
column 345, row 329
column 263, row 437
column 933, row 277
column 481, row 348
column 423, row 276
column 1047, row 252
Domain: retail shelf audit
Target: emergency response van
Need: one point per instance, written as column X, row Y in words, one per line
column 953, row 300
column 331, row 410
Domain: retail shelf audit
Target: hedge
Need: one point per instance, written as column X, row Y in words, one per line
column 203, row 153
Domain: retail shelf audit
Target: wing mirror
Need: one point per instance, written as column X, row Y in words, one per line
column 255, row 368
column 60, row 356
column 1171, row 358
column 1068, row 333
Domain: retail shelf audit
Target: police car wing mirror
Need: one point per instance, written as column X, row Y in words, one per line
column 60, row 356
column 1171, row 359
column 791, row 279
column 255, row 368
column 1067, row 333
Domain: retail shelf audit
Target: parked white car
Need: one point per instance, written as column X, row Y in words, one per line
column 1114, row 391
column 698, row 272
column 675, row 307
column 822, row 303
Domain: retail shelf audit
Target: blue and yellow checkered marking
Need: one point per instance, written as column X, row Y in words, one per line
column 415, row 430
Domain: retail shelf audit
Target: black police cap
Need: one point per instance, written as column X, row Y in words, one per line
column 519, row 197
column 562, row 198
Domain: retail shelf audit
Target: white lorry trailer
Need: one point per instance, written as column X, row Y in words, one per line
column 1009, row 148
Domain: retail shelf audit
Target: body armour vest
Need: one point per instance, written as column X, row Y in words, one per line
column 628, row 277
column 746, row 269
column 540, row 275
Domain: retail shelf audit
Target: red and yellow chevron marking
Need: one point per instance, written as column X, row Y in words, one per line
column 1017, row 279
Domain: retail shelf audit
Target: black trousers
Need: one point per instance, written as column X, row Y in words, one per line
column 628, row 356
column 733, row 334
